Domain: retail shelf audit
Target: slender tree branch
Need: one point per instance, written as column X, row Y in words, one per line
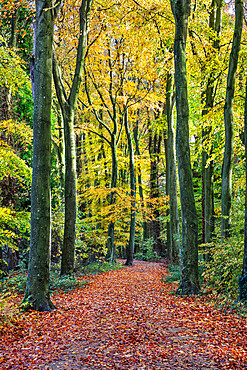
column 84, row 19
column 94, row 110
column 101, row 136
column 59, row 86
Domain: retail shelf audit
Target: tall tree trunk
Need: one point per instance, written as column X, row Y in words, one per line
column 168, row 223
column 226, row 197
column 171, row 174
column 59, row 148
column 154, row 225
column 215, row 20
column 189, row 283
column 2, row 264
column 139, row 180
column 37, row 290
column 68, row 105
column 14, row 21
column 79, row 160
column 243, row 278
column 70, row 201
column 131, row 243
column 111, row 253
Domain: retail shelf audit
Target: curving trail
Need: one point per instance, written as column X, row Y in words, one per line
column 126, row 319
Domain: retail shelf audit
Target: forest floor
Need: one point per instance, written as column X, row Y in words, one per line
column 126, row 319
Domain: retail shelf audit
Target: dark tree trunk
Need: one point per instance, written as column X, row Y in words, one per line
column 171, row 174
column 13, row 35
column 37, row 290
column 79, row 161
column 111, row 255
column 189, row 283
column 215, row 20
column 59, row 148
column 68, row 105
column 154, row 225
column 139, row 180
column 70, row 201
column 243, row 277
column 226, row 197
column 131, row 243
column 2, row 264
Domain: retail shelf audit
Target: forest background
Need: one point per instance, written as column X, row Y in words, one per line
column 122, row 137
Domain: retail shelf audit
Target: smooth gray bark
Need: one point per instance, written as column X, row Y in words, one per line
column 171, row 174
column 226, row 197
column 68, row 105
column 37, row 290
column 189, row 283
column 131, row 243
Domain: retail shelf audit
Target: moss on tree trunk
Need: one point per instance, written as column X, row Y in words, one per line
column 37, row 289
column 189, row 249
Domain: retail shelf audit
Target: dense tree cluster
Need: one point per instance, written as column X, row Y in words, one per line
column 138, row 136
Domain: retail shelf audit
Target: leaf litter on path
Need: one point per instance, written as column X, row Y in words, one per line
column 126, row 319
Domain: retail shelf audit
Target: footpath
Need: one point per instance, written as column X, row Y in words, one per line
column 127, row 319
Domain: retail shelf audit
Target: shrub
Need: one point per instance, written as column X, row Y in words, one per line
column 65, row 283
column 175, row 272
column 147, row 253
column 99, row 267
column 221, row 272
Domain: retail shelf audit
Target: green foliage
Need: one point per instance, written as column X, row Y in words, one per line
column 65, row 283
column 14, row 166
column 16, row 282
column 147, row 253
column 13, row 227
column 7, row 310
column 90, row 242
column 15, row 173
column 23, row 104
column 175, row 272
column 223, row 268
column 99, row 267
column 12, row 69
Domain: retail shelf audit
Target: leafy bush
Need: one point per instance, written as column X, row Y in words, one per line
column 147, row 253
column 175, row 272
column 65, row 283
column 99, row 267
column 8, row 311
column 15, row 282
column 221, row 272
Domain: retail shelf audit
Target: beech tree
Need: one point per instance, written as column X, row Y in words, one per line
column 37, row 294
column 171, row 174
column 189, row 249
column 131, row 242
column 68, row 105
column 208, row 97
column 226, row 197
column 243, row 277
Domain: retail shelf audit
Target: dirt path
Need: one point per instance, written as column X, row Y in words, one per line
column 128, row 319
